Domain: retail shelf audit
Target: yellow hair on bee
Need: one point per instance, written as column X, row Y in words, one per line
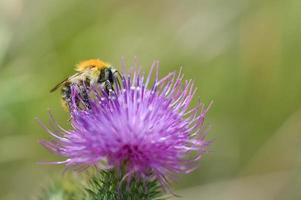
column 64, row 105
column 92, row 63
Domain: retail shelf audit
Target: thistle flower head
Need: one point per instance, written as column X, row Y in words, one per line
column 141, row 127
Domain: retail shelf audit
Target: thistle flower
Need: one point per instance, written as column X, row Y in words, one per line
column 140, row 127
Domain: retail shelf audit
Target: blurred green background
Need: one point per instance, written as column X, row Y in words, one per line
column 243, row 54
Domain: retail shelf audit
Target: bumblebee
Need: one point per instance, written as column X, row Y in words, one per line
column 88, row 74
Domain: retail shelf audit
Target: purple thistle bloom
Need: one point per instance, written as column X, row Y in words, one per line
column 148, row 129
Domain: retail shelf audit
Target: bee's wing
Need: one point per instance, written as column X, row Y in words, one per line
column 58, row 85
column 64, row 81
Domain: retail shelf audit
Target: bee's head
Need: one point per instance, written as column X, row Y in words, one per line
column 91, row 64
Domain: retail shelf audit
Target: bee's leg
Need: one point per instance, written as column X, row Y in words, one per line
column 108, row 87
column 117, row 74
column 84, row 96
column 116, row 77
column 77, row 101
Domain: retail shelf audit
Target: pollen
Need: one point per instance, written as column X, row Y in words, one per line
column 92, row 63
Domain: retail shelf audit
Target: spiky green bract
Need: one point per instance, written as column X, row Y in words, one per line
column 108, row 185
